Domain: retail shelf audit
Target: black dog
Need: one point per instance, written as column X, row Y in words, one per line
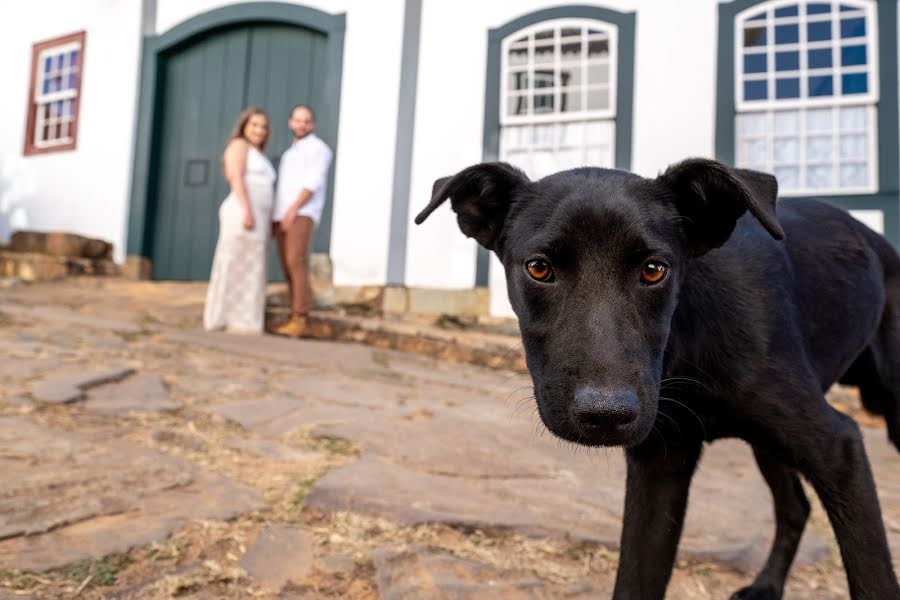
column 659, row 305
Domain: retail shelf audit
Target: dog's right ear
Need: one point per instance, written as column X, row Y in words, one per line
column 480, row 196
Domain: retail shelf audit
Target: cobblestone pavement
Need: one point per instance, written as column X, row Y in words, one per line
column 143, row 458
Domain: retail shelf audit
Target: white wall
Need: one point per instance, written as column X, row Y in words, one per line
column 674, row 111
column 84, row 190
column 364, row 163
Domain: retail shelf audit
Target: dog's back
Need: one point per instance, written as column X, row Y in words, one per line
column 843, row 281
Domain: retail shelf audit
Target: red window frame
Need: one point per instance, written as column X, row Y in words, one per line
column 30, row 147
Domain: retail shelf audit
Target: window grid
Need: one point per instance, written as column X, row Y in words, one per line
column 54, row 94
column 849, row 165
column 535, row 103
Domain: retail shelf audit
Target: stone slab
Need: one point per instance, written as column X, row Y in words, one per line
column 417, row 573
column 144, row 392
column 70, row 386
column 69, row 496
column 254, row 413
column 280, row 554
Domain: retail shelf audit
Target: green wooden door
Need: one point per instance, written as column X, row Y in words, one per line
column 205, row 86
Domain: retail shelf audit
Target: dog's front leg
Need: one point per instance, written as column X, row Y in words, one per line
column 655, row 500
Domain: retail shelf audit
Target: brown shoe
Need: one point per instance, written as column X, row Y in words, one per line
column 295, row 327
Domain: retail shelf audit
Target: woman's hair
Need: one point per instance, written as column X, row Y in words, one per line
column 243, row 118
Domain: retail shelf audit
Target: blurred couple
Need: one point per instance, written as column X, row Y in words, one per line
column 287, row 207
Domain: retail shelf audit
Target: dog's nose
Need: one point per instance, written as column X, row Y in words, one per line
column 600, row 411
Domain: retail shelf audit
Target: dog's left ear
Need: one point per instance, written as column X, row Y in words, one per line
column 712, row 197
column 480, row 196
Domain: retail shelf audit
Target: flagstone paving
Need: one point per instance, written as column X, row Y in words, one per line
column 143, row 458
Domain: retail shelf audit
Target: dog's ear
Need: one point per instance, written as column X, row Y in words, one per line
column 480, row 196
column 712, row 197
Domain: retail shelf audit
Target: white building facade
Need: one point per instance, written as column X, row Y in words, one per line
column 117, row 111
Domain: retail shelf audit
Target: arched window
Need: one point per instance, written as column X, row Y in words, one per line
column 806, row 90
column 558, row 96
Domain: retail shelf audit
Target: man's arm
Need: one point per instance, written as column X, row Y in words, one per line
column 312, row 181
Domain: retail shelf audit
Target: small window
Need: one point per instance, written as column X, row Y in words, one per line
column 54, row 94
column 558, row 96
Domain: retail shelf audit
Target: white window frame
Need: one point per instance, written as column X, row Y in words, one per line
column 771, row 105
column 611, row 33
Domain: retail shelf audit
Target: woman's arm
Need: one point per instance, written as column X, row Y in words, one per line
column 235, row 160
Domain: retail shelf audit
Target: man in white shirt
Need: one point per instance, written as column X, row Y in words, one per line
column 299, row 200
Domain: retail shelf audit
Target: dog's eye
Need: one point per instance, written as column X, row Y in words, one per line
column 539, row 270
column 653, row 272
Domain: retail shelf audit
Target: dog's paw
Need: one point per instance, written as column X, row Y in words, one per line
column 757, row 592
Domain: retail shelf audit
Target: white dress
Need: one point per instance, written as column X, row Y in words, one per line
column 236, row 298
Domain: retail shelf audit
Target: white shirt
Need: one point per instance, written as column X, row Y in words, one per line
column 303, row 166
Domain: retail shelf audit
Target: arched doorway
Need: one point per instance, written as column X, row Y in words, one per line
column 204, row 72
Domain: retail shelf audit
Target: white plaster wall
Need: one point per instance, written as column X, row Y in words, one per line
column 364, row 164
column 84, row 190
column 674, row 111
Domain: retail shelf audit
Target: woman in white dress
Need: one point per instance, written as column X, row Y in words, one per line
column 236, row 298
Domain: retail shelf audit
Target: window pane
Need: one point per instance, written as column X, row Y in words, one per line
column 543, row 55
column 570, row 134
column 818, row 119
column 570, row 100
column 787, row 61
column 754, row 151
column 598, row 74
column 547, row 34
column 45, row 87
column 817, row 9
column 571, row 31
column 787, row 121
column 786, row 11
column 818, row 147
column 45, row 133
column 755, row 63
column 598, row 48
column 819, row 59
column 517, row 105
column 787, row 34
column 598, row 99
column 819, row 176
column 852, row 146
column 787, row 88
column 855, row 83
column 48, row 64
column 518, row 56
column 68, row 108
column 754, row 37
column 786, row 149
column 853, row 27
column 73, row 81
column 59, row 62
column 572, row 51
column 853, row 118
column 854, row 175
column 73, row 58
column 821, row 85
column 818, row 31
column 570, row 75
column 543, row 103
column 518, row 80
column 543, row 78
column 788, row 177
column 853, row 55
column 755, row 90
column 757, row 17
column 752, row 123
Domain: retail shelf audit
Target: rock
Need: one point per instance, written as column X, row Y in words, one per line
column 177, row 438
column 71, row 387
column 279, row 555
column 60, row 244
column 418, row 574
column 145, row 392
